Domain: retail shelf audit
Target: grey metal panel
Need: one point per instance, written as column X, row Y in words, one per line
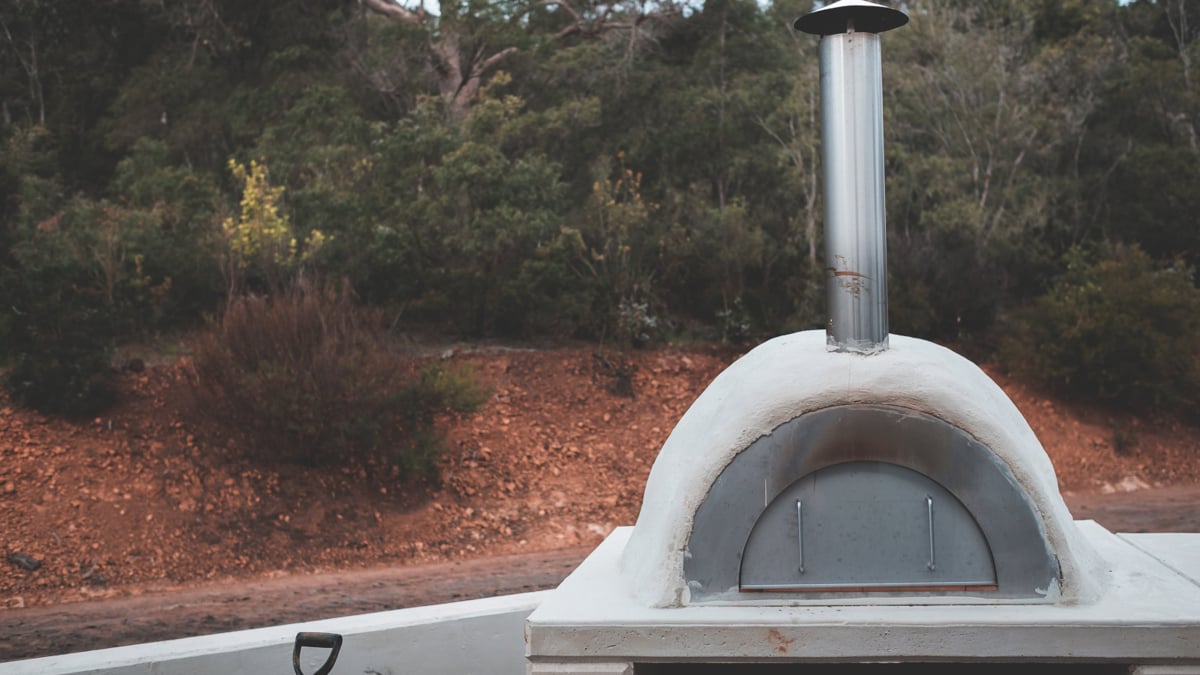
column 1025, row 566
column 865, row 524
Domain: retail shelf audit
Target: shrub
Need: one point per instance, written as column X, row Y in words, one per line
column 636, row 324
column 308, row 376
column 92, row 274
column 734, row 322
column 58, row 327
column 613, row 251
column 261, row 243
column 60, row 359
column 166, row 217
column 1122, row 330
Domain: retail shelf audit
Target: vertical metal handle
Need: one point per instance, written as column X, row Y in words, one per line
column 800, row 533
column 929, row 509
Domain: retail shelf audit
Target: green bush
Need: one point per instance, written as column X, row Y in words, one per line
column 58, row 327
column 75, row 283
column 166, row 225
column 79, row 275
column 60, row 359
column 1122, row 330
column 308, row 376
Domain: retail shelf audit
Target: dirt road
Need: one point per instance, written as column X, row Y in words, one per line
column 1168, row 509
column 217, row 607
column 220, row 607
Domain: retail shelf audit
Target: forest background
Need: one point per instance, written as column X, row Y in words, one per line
column 629, row 172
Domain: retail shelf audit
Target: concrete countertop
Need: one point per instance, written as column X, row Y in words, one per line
column 1148, row 612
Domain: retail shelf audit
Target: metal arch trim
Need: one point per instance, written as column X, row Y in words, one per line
column 946, row 454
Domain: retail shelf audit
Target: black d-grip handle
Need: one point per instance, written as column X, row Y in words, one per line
column 330, row 641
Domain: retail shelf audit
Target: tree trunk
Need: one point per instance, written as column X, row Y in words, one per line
column 458, row 80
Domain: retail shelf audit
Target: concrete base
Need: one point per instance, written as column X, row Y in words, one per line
column 1148, row 616
column 582, row 668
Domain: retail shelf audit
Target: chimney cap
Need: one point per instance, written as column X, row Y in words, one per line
column 836, row 17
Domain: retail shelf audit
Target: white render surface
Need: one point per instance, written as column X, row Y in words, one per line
column 475, row 636
column 795, row 374
column 1180, row 552
column 1148, row 613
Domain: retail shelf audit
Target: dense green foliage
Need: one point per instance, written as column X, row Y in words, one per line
column 626, row 172
column 1122, row 330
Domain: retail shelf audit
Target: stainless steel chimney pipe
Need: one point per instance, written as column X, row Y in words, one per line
column 852, row 154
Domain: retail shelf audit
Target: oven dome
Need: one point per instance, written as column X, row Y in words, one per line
column 737, row 463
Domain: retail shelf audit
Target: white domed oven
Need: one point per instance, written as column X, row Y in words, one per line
column 849, row 497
